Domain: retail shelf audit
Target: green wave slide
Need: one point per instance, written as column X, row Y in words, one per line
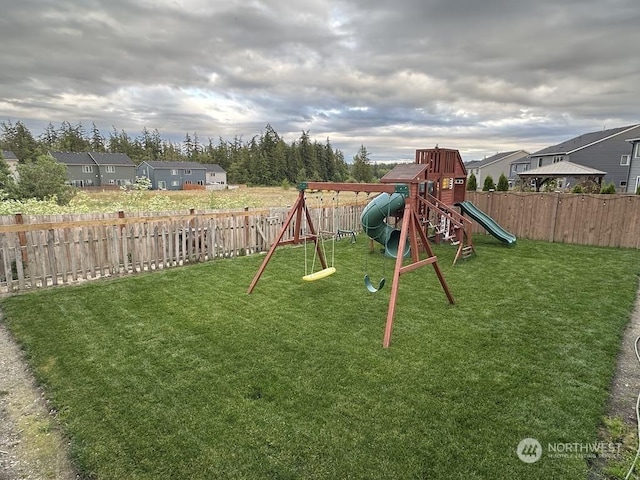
column 488, row 223
column 374, row 225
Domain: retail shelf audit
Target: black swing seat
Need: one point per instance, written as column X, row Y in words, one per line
column 370, row 286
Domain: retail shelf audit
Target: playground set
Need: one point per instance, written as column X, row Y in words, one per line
column 420, row 197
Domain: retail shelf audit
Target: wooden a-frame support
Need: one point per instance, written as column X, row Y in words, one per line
column 411, row 230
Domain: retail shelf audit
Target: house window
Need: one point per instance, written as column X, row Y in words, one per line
column 162, row 185
column 87, row 168
column 637, row 183
column 539, row 162
column 110, row 168
column 637, row 155
column 625, row 160
column 175, row 183
column 112, row 181
column 187, row 171
column 174, row 172
column 623, row 184
column 188, row 182
column 557, row 159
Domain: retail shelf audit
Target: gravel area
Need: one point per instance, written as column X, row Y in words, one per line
column 31, row 446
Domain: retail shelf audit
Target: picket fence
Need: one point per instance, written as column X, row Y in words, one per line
column 43, row 251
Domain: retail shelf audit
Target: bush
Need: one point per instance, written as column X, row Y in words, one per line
column 577, row 189
column 638, row 190
column 609, row 188
column 503, row 183
column 472, row 183
column 488, row 184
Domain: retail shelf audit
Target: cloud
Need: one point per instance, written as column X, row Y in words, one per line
column 479, row 76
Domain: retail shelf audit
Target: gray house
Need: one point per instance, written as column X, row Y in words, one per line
column 92, row 169
column 172, row 175
column 216, row 177
column 12, row 162
column 633, row 180
column 496, row 165
column 606, row 150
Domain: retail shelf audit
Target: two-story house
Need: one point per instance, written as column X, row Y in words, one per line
column 633, row 178
column 172, row 175
column 216, row 177
column 496, row 165
column 92, row 169
column 606, row 150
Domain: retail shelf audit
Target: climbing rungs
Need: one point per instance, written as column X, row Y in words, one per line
column 312, row 277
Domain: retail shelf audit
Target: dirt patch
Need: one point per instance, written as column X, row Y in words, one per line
column 31, row 446
column 626, row 382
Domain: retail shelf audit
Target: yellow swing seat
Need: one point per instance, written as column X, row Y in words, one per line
column 312, row 277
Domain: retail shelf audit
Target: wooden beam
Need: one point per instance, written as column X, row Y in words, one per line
column 351, row 187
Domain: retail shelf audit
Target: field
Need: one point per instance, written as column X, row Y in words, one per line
column 181, row 374
column 163, row 201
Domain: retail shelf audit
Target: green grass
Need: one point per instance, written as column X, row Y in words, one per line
column 181, row 374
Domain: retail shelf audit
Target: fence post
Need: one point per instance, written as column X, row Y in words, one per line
column 22, row 238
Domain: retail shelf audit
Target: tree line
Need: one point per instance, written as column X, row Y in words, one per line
column 265, row 159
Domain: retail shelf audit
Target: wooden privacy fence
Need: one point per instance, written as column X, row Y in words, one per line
column 589, row 219
column 41, row 251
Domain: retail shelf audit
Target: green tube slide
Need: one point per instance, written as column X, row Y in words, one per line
column 373, row 221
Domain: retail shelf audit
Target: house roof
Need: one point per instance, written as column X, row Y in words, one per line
column 112, row 159
column 583, row 141
column 215, row 168
column 563, row 169
column 473, row 164
column 71, row 158
column 156, row 164
column 9, row 155
column 494, row 158
column 92, row 158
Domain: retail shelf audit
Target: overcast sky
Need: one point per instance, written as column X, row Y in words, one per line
column 481, row 76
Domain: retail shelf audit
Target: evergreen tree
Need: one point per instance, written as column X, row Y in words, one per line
column 97, row 140
column 488, row 184
column 19, row 140
column 472, row 183
column 503, row 183
column 7, row 185
column 361, row 168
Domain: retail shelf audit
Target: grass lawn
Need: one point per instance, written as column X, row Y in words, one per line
column 181, row 374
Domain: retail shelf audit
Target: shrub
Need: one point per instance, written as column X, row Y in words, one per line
column 503, row 183
column 488, row 184
column 609, row 188
column 638, row 190
column 472, row 183
column 577, row 189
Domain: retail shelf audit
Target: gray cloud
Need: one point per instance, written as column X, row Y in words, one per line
column 394, row 76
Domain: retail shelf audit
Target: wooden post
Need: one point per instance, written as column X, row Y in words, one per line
column 22, row 238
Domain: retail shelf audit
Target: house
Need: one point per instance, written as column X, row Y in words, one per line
column 216, row 177
column 496, row 165
column 633, row 178
column 606, row 150
column 173, row 175
column 12, row 162
column 93, row 169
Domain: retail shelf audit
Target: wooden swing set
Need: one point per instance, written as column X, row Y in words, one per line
column 403, row 179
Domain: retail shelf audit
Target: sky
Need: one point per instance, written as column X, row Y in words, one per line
column 480, row 76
